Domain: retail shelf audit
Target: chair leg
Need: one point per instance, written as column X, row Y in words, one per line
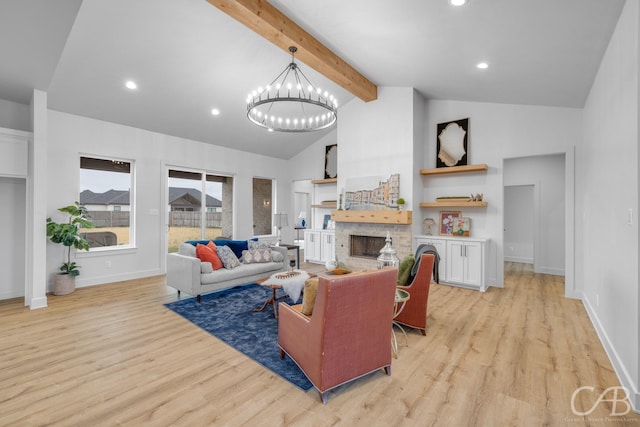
column 178, row 293
column 281, row 354
column 387, row 370
column 324, row 397
column 198, row 298
column 423, row 331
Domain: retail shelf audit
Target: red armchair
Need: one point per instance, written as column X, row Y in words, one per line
column 348, row 335
column 414, row 313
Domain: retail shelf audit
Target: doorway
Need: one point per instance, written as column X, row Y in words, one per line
column 12, row 227
column 538, row 182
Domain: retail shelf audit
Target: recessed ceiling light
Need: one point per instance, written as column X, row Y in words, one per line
column 131, row 84
column 215, row 112
column 458, row 2
column 482, row 65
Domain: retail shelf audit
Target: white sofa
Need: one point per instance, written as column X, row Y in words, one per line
column 186, row 273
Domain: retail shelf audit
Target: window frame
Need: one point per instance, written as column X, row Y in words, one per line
column 132, row 202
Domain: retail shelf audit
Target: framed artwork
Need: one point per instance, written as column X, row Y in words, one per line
column 331, row 161
column 461, row 226
column 325, row 221
column 446, row 222
column 452, row 143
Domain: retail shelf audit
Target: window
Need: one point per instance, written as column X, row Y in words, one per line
column 106, row 192
column 192, row 217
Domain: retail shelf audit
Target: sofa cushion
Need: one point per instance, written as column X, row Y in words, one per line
column 256, row 244
column 217, row 262
column 207, row 254
column 256, row 255
column 187, row 249
column 277, row 256
column 228, row 257
column 309, row 296
column 237, row 246
column 264, row 269
column 206, row 268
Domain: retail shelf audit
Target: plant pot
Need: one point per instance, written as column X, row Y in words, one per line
column 64, row 284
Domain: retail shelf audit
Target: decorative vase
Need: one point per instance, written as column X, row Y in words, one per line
column 64, row 284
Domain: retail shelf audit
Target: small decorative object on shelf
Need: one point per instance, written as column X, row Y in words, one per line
column 400, row 203
column 340, row 205
column 461, row 226
column 427, row 225
column 388, row 256
column 476, row 198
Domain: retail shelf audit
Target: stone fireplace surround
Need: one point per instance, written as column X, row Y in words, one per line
column 400, row 237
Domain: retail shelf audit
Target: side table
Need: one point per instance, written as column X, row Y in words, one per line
column 292, row 282
column 290, row 247
column 402, row 296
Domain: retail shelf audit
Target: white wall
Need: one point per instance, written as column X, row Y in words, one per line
column 496, row 132
column 376, row 138
column 14, row 115
column 70, row 136
column 547, row 174
column 606, row 193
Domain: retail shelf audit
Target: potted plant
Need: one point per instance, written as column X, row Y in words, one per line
column 68, row 233
column 400, row 203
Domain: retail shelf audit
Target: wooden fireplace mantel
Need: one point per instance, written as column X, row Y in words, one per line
column 373, row 217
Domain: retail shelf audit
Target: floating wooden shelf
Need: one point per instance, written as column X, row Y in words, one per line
column 373, row 217
column 452, row 204
column 454, row 169
column 324, row 181
column 326, row 206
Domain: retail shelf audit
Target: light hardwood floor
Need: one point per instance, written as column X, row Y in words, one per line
column 114, row 355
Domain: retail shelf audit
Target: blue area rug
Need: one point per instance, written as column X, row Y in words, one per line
column 229, row 316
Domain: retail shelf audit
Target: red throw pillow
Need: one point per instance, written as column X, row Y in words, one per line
column 208, row 254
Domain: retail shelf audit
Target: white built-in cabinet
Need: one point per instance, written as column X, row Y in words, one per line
column 319, row 245
column 462, row 260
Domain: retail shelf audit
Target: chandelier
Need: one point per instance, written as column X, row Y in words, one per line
column 291, row 103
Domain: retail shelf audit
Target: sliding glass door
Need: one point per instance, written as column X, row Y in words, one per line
column 190, row 216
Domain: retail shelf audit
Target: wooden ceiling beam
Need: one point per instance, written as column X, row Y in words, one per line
column 273, row 25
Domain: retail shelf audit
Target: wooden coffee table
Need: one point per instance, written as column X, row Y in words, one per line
column 275, row 282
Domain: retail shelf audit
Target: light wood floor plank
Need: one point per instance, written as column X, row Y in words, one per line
column 114, row 355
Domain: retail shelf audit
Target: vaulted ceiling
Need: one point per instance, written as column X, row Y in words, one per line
column 188, row 57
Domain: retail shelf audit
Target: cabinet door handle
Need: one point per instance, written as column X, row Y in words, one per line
column 461, row 251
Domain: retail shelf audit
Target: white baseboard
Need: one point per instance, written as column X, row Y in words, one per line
column 523, row 260
column 11, row 295
column 38, row 303
column 616, row 362
column 550, row 270
column 101, row 280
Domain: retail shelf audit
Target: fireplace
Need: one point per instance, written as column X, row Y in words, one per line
column 365, row 246
column 346, row 231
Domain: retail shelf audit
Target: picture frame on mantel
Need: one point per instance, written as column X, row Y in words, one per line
column 452, row 143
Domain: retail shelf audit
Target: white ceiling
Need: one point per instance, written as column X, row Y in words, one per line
column 189, row 57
